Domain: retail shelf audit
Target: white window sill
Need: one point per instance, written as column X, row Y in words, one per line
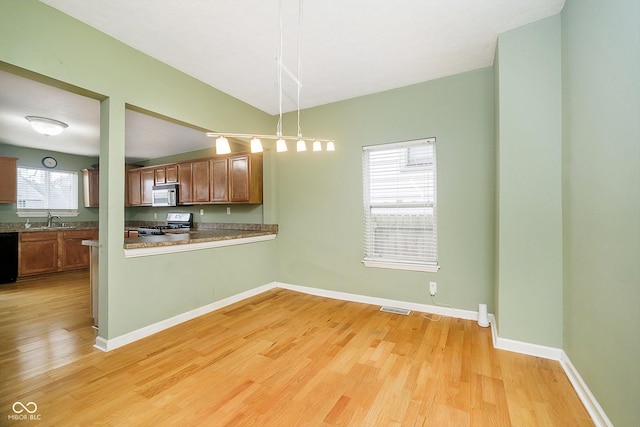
column 401, row 266
column 44, row 214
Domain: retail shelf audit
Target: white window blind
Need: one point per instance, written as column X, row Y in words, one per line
column 41, row 191
column 400, row 229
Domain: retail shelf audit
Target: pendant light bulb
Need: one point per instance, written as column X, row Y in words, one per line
column 317, row 146
column 301, row 146
column 256, row 145
column 281, row 145
column 222, row 145
column 330, row 146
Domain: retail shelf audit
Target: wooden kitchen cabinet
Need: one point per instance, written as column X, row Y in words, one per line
column 37, row 253
column 219, row 183
column 147, row 180
column 91, row 187
column 139, row 186
column 166, row 174
column 234, row 178
column 200, row 181
column 134, row 192
column 72, row 253
column 185, row 195
column 8, row 179
column 245, row 178
column 41, row 252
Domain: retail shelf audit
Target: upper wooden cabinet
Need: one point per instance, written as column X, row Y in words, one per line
column 147, row 180
column 166, row 174
column 218, row 184
column 245, row 178
column 185, row 194
column 134, row 191
column 200, row 181
column 91, row 187
column 233, row 178
column 8, row 180
column 139, row 186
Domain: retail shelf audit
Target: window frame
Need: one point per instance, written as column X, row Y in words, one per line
column 43, row 212
column 428, row 249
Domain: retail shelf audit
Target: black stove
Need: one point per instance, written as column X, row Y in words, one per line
column 176, row 221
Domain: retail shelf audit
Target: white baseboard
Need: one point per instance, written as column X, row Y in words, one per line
column 521, row 347
column 344, row 296
column 594, row 409
column 113, row 343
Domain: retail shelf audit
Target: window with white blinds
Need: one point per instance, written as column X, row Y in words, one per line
column 42, row 190
column 400, row 227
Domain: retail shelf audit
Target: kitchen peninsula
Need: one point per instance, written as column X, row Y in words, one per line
column 210, row 235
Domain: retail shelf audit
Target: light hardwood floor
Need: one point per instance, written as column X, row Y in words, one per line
column 278, row 359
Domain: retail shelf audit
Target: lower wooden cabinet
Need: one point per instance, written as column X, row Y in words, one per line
column 37, row 253
column 72, row 253
column 51, row 251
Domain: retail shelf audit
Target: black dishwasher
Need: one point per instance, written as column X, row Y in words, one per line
column 9, row 257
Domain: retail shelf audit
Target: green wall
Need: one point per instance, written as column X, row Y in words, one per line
column 529, row 221
column 68, row 162
column 320, row 194
column 63, row 51
column 601, row 185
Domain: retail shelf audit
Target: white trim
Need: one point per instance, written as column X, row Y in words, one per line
column 589, row 401
column 401, row 266
column 400, row 144
column 424, row 308
column 521, row 347
column 170, row 249
column 113, row 343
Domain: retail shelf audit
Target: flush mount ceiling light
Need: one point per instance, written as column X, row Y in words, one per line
column 222, row 144
column 46, row 126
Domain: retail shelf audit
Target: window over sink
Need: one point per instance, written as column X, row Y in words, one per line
column 42, row 191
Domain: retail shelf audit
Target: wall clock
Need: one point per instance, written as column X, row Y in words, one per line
column 49, row 162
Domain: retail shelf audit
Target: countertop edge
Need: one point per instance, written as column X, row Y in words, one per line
column 191, row 245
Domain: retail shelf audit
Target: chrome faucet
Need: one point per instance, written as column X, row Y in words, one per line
column 50, row 219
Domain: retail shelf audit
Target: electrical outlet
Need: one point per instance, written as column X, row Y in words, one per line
column 433, row 288
column 228, row 210
column 201, row 212
column 155, row 215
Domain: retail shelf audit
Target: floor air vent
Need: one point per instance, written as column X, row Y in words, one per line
column 395, row 310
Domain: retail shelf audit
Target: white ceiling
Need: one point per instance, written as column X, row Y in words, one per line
column 349, row 48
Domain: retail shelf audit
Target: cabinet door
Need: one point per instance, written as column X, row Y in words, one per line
column 37, row 253
column 91, row 187
column 73, row 254
column 219, row 182
column 171, row 173
column 184, row 178
column 200, row 177
column 239, row 178
column 161, row 176
column 134, row 192
column 147, row 180
column 8, row 179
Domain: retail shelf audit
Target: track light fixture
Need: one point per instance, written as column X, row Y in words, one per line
column 222, row 144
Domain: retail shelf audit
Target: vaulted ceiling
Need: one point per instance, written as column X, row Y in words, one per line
column 348, row 48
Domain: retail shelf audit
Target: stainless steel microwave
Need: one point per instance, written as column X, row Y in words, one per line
column 164, row 195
